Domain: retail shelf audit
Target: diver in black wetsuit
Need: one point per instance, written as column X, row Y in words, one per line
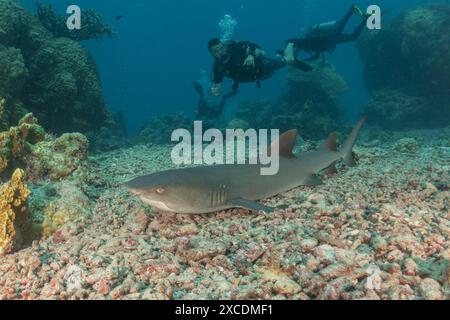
column 244, row 62
column 204, row 110
column 324, row 37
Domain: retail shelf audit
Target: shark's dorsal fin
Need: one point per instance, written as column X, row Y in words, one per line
column 330, row 143
column 286, row 143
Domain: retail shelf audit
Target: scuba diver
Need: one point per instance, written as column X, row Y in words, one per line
column 204, row 110
column 244, row 62
column 323, row 37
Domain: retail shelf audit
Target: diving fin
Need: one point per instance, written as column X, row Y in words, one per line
column 198, row 87
column 302, row 66
column 250, row 205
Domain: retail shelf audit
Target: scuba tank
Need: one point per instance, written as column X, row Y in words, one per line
column 323, row 29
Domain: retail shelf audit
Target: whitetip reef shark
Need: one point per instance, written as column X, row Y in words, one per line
column 205, row 189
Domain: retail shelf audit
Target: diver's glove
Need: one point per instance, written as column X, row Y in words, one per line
column 358, row 11
column 250, row 61
column 216, row 89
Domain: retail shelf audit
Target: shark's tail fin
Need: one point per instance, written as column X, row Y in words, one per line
column 350, row 142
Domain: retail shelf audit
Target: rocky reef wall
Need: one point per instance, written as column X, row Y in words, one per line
column 310, row 105
column 407, row 69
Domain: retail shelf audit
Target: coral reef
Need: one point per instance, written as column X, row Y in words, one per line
column 93, row 26
column 59, row 203
column 58, row 158
column 310, row 105
column 237, row 124
column 53, row 77
column 56, row 177
column 13, row 212
column 16, row 143
column 114, row 136
column 407, row 71
column 159, row 129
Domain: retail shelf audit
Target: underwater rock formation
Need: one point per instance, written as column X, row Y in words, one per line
column 58, row 204
column 310, row 105
column 56, row 175
column 159, row 129
column 16, row 143
column 13, row 211
column 407, row 69
column 236, row 124
column 55, row 78
column 112, row 137
column 93, row 26
column 58, row 158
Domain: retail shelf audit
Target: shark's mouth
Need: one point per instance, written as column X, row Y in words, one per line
column 157, row 204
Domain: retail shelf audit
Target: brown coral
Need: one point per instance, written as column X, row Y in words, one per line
column 14, row 143
column 13, row 210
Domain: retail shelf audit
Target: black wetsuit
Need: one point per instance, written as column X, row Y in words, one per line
column 234, row 67
column 204, row 110
column 316, row 43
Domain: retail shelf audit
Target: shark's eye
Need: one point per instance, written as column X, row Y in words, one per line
column 160, row 190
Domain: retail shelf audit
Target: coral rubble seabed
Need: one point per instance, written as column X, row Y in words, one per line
column 379, row 230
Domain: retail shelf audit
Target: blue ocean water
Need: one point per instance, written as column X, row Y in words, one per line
column 160, row 48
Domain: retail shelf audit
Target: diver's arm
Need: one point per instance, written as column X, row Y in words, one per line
column 313, row 57
column 216, row 89
column 252, row 52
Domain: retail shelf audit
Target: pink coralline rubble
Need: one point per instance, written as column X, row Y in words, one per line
column 376, row 231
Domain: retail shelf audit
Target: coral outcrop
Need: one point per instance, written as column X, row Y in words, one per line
column 310, row 105
column 93, row 26
column 407, row 69
column 53, row 77
column 58, row 158
column 13, row 212
column 159, row 130
column 56, row 177
column 16, row 143
column 58, row 204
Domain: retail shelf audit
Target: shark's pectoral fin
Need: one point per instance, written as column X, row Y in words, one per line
column 313, row 180
column 250, row 205
column 331, row 169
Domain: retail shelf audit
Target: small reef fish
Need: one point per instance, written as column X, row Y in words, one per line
column 206, row 189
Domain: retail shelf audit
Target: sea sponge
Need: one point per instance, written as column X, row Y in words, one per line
column 13, row 211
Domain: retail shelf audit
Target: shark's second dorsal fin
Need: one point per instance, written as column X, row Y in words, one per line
column 330, row 143
column 286, row 143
